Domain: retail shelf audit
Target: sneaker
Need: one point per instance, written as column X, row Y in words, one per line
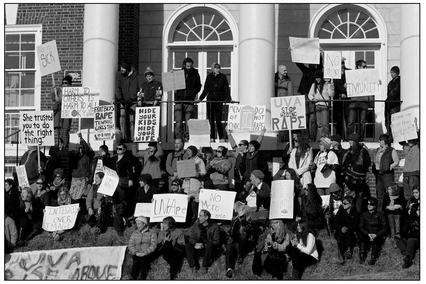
column 212, row 140
column 229, row 273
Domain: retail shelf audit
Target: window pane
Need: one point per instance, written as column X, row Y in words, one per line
column 189, row 21
column 373, row 34
column 12, row 60
column 226, row 36
column 212, row 56
column 11, row 98
column 225, row 59
column 28, row 60
column 28, row 42
column 11, row 80
column 179, row 37
column 12, row 42
column 27, row 97
column 27, row 80
column 343, row 14
column 179, row 56
column 194, row 57
column 369, row 58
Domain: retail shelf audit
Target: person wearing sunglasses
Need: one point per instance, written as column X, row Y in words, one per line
column 54, row 186
column 218, row 169
column 62, row 125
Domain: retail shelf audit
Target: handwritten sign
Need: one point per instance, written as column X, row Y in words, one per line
column 199, row 133
column 288, row 113
column 147, row 124
column 362, row 82
column 246, row 117
column 173, row 80
column 78, row 102
column 402, row 124
column 164, row 205
column 109, row 182
column 60, row 217
column 332, row 64
column 88, row 263
column 76, row 77
column 305, row 50
column 186, row 168
column 143, row 209
column 48, row 59
column 282, row 199
column 37, row 128
column 104, row 123
column 21, row 172
column 218, row 202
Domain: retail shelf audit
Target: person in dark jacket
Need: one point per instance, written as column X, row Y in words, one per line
column 151, row 91
column 145, row 192
column 52, row 163
column 336, row 147
column 54, row 186
column 339, row 107
column 30, row 160
column 62, row 125
column 11, row 201
column 100, row 161
column 254, row 160
column 262, row 190
column 410, row 241
column 184, row 110
column 313, row 212
column 394, row 94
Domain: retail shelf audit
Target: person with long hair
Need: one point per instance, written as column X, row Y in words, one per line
column 32, row 217
column 324, row 164
column 54, row 186
column 313, row 211
column 64, row 198
column 254, row 160
column 410, row 240
column 12, row 197
column 298, row 191
column 415, row 198
column 300, row 158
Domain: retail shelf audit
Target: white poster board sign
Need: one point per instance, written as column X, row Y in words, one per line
column 246, row 117
column 104, row 123
column 288, row 113
column 325, row 200
column 143, row 209
column 402, row 124
column 164, row 205
column 48, row 59
column 147, row 124
column 21, row 172
column 199, row 133
column 173, row 80
column 36, row 128
column 186, row 168
column 332, row 64
column 282, row 202
column 60, row 217
column 305, row 50
column 219, row 203
column 362, row 82
column 78, row 102
column 109, row 182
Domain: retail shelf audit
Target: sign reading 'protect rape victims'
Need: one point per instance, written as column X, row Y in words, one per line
column 288, row 113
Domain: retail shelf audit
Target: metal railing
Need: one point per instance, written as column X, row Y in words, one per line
column 17, row 144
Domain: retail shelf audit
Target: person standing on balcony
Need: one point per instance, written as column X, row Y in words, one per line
column 63, row 125
column 394, row 94
column 283, row 84
column 340, row 93
column 151, row 91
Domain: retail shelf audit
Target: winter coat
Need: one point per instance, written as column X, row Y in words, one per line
column 127, row 87
column 193, row 86
column 303, row 169
column 145, row 241
column 172, row 158
column 373, row 223
column 81, row 164
column 31, row 166
column 216, row 88
column 213, row 233
column 219, row 168
column 345, row 219
column 149, row 90
column 283, row 87
column 178, row 239
column 326, row 94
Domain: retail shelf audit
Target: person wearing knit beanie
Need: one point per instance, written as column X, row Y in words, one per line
column 354, row 137
column 142, row 219
column 126, row 66
column 258, row 174
column 149, row 71
column 151, row 91
column 255, row 144
column 318, row 74
column 193, row 150
column 326, row 142
column 336, row 138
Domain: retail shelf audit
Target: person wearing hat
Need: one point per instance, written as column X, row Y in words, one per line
column 142, row 244
column 151, row 91
column 324, row 164
column 321, row 92
column 216, row 88
column 218, row 169
column 336, row 199
column 254, row 160
column 145, row 193
column 176, row 186
column 373, row 228
column 262, row 190
column 393, row 95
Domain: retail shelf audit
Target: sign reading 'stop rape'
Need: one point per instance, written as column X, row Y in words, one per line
column 288, row 113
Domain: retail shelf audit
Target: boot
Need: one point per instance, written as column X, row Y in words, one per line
column 362, row 254
column 374, row 254
column 408, row 261
column 295, row 274
column 32, row 235
column 20, row 242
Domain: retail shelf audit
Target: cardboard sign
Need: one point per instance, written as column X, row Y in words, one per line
column 305, row 50
column 143, row 209
column 76, row 76
column 88, row 263
column 104, row 123
column 325, row 200
column 60, row 217
column 78, row 102
column 332, row 64
column 288, row 113
column 218, row 202
column 48, row 59
column 362, row 82
column 282, row 199
column 172, row 204
column 173, row 80
column 246, row 117
column 402, row 125
column 186, row 168
column 147, row 124
column 36, row 128
column 109, row 182
column 21, row 172
column 199, row 133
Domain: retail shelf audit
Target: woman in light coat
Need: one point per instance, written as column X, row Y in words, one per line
column 300, row 158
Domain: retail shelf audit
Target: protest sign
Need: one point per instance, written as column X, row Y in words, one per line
column 60, row 217
column 76, row 77
column 143, row 209
column 282, row 199
column 332, row 64
column 277, row 168
column 85, row 263
column 288, row 113
column 78, row 102
column 36, row 128
column 186, row 168
column 199, row 133
column 362, row 82
column 48, row 59
column 147, row 124
column 246, row 117
column 21, row 172
column 305, row 50
column 173, row 80
column 173, row 204
column 109, row 182
column 402, row 124
column 325, row 200
column 191, row 186
column 104, row 123
column 219, row 203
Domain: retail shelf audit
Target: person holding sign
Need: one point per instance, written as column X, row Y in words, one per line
column 300, row 159
column 122, row 164
column 63, row 125
column 263, row 191
column 64, row 198
column 53, row 187
column 99, row 162
column 394, row 94
column 412, row 164
column 151, row 91
column 200, row 170
column 32, row 167
column 176, row 186
column 178, row 154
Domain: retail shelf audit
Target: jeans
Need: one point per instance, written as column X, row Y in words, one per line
column 214, row 114
column 388, row 114
column 354, row 107
column 183, row 111
column 394, row 221
column 409, row 182
column 140, row 266
column 383, row 181
column 174, row 258
column 339, row 116
column 323, row 118
column 207, row 252
column 345, row 241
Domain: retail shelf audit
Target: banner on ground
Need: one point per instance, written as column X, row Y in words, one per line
column 36, row 128
column 186, row 168
column 147, row 124
column 78, row 102
column 109, row 182
column 288, row 113
column 219, row 203
column 172, row 204
column 199, row 133
column 305, row 50
column 246, row 117
column 60, row 217
column 402, row 125
column 86, row 263
column 173, row 80
column 48, row 59
column 21, row 172
column 143, row 209
column 104, row 123
column 332, row 64
column 362, row 82
column 282, row 199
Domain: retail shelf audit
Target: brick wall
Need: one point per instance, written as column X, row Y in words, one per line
column 128, row 41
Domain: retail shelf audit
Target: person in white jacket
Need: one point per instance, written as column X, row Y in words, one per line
column 300, row 159
column 325, row 164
